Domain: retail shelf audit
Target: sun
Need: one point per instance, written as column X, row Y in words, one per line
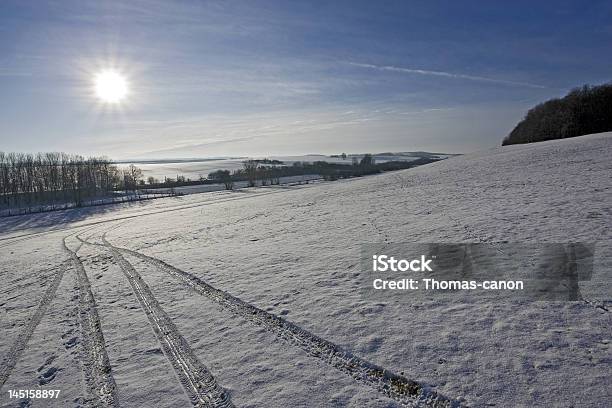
column 110, row 86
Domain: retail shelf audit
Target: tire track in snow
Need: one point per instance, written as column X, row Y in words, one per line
column 15, row 241
column 21, row 342
column 199, row 384
column 97, row 366
column 407, row 392
column 153, row 211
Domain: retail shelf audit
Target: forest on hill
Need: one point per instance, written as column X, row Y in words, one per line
column 583, row 111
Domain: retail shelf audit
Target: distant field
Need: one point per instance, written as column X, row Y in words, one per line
column 194, row 168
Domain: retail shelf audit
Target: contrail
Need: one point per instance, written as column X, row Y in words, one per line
column 445, row 74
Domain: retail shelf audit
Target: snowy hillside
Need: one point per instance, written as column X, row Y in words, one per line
column 253, row 298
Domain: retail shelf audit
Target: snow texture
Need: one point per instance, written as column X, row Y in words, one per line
column 255, row 295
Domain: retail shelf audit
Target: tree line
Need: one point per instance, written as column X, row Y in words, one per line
column 256, row 173
column 46, row 179
column 583, row 111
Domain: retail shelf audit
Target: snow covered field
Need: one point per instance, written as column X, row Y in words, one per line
column 253, row 298
column 206, row 188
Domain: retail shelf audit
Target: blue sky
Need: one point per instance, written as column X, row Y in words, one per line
column 227, row 78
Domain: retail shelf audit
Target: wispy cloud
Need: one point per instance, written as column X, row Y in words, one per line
column 14, row 74
column 445, row 74
column 195, row 146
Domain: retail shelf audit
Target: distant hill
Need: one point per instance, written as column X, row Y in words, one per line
column 583, row 111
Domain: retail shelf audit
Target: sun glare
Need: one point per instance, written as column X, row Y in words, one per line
column 110, row 86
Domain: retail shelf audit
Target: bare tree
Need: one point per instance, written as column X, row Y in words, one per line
column 47, row 179
column 367, row 160
column 228, row 182
column 250, row 170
